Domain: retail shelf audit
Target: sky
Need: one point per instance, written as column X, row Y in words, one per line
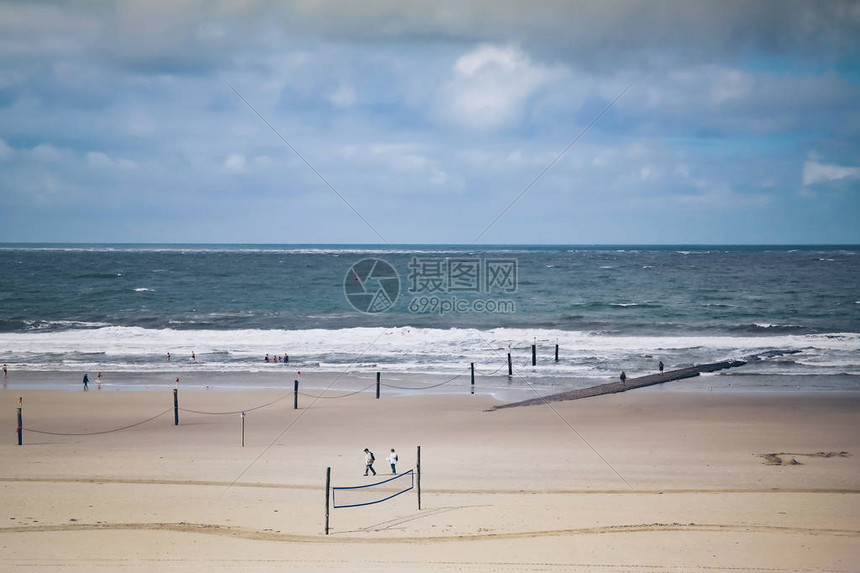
column 455, row 122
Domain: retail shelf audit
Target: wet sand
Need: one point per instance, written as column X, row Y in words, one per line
column 662, row 481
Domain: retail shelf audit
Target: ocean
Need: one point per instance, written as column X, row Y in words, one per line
column 433, row 310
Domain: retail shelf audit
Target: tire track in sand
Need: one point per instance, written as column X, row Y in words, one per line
column 214, row 483
column 262, row 535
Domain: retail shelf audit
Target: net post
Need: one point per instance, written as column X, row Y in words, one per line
column 20, row 421
column 473, row 377
column 534, row 354
column 327, row 495
column 510, row 366
column 295, row 395
column 243, row 429
column 556, row 352
column 175, row 406
column 418, row 472
column 377, row 385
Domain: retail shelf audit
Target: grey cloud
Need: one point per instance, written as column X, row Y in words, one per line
column 190, row 37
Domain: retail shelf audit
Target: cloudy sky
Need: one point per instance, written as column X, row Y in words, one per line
column 423, row 122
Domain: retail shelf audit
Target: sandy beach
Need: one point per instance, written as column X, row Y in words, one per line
column 650, row 480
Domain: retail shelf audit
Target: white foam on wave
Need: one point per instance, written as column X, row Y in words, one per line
column 407, row 349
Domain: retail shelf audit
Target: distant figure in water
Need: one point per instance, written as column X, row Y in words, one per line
column 623, row 378
column 86, row 383
column 193, row 357
column 660, row 366
column 177, row 381
column 168, row 357
column 286, row 358
column 5, row 372
column 267, row 357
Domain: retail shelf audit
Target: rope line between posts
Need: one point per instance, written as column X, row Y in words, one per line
column 494, row 372
column 97, row 433
column 275, row 401
column 426, row 387
column 321, row 397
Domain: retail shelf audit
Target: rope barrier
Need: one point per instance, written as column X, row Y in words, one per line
column 494, row 372
column 426, row 387
column 341, row 396
column 275, row 401
column 236, row 411
column 97, row 433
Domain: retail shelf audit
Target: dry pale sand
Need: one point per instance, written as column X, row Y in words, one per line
column 644, row 481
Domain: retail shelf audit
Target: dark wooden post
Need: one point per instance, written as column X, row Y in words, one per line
column 20, row 422
column 377, row 385
column 175, row 406
column 534, row 354
column 243, row 429
column 510, row 366
column 418, row 471
column 473, row 377
column 295, row 395
column 556, row 352
column 327, row 491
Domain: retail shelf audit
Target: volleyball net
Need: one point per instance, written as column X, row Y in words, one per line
column 360, row 495
column 338, row 497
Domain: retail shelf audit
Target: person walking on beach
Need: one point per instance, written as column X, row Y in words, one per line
column 369, row 458
column 86, row 382
column 99, row 380
column 623, row 378
column 392, row 459
column 660, row 366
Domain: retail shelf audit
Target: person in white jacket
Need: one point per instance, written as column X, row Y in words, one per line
column 369, row 458
column 392, row 459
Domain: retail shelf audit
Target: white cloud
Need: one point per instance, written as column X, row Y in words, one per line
column 405, row 158
column 816, row 172
column 6, row 152
column 344, row 96
column 99, row 159
column 490, row 85
column 234, row 162
column 103, row 160
column 47, row 152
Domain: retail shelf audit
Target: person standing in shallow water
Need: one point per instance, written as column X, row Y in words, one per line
column 623, row 378
column 660, row 367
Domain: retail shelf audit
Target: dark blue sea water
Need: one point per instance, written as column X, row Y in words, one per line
column 122, row 308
